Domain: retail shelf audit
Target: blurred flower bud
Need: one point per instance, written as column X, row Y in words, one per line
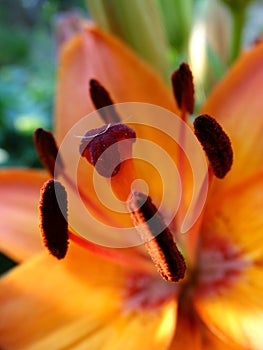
column 138, row 23
column 238, row 10
column 177, row 18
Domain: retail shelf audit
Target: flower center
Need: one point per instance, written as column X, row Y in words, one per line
column 147, row 220
column 109, row 150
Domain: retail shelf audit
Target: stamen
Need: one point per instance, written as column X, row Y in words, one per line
column 96, row 141
column 183, row 87
column 157, row 237
column 101, row 98
column 53, row 218
column 216, row 144
column 47, row 150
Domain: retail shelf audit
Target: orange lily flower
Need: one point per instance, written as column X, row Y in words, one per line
column 88, row 302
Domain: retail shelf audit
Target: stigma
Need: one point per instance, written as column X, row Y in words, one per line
column 102, row 147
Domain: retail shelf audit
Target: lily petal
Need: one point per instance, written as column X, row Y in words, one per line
column 237, row 104
column 95, row 54
column 234, row 291
column 236, row 216
column 113, row 332
column 75, row 303
column 235, row 319
column 19, row 191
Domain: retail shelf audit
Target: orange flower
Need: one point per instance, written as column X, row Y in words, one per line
column 87, row 302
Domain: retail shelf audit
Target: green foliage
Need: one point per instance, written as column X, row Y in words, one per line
column 139, row 24
column 25, row 103
column 13, row 45
column 27, row 78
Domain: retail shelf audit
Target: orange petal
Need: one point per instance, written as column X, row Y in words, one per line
column 139, row 330
column 75, row 303
column 236, row 217
column 94, row 54
column 237, row 104
column 235, row 317
column 19, row 233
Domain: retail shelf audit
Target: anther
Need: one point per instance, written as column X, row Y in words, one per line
column 47, row 150
column 157, row 237
column 215, row 143
column 102, row 149
column 53, row 218
column 183, row 87
column 101, row 98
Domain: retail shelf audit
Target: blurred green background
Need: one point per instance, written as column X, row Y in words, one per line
column 27, row 74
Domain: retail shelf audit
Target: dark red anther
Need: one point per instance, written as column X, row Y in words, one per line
column 158, row 239
column 216, row 144
column 97, row 141
column 47, row 149
column 183, row 87
column 53, row 218
column 101, row 98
